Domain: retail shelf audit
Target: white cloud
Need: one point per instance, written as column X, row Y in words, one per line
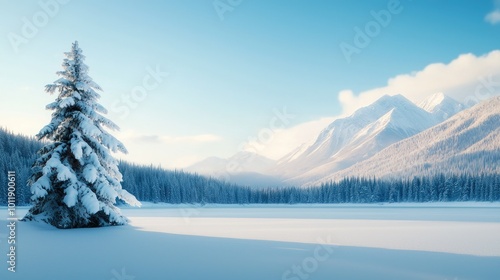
column 493, row 17
column 466, row 78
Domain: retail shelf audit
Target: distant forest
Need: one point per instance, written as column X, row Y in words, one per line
column 149, row 183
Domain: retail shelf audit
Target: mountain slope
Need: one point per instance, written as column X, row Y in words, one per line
column 468, row 141
column 349, row 140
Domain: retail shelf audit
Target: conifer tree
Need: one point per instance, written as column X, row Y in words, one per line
column 75, row 180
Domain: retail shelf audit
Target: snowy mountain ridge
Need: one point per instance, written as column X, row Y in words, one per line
column 468, row 141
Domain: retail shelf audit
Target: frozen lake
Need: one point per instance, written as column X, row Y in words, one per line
column 398, row 241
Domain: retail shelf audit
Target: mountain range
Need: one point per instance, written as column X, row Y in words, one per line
column 243, row 168
column 467, row 142
column 376, row 140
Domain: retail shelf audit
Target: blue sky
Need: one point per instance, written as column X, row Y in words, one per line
column 228, row 72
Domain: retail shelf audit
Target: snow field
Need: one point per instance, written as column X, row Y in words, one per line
column 479, row 239
column 273, row 242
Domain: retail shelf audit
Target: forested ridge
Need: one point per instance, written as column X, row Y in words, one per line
column 150, row 183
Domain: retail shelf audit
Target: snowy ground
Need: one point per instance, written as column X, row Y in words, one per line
column 398, row 241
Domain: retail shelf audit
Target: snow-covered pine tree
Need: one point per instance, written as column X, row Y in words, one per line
column 75, row 181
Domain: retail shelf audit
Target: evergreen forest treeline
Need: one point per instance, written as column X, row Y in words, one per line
column 150, row 183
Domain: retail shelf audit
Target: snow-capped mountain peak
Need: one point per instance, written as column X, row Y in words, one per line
column 430, row 103
column 441, row 106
